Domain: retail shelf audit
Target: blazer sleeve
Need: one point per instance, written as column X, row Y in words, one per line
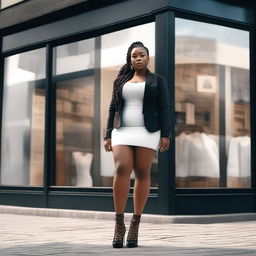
column 164, row 108
column 110, row 121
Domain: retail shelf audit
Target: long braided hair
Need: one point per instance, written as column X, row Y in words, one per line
column 126, row 72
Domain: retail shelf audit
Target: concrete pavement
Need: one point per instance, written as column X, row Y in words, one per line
column 41, row 235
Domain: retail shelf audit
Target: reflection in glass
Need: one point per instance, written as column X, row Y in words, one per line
column 114, row 47
column 212, row 105
column 22, row 149
column 75, row 113
column 238, row 128
column 74, row 132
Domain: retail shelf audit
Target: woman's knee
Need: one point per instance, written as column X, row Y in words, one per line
column 123, row 169
column 142, row 173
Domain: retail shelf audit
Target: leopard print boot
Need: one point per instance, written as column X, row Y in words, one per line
column 132, row 238
column 119, row 231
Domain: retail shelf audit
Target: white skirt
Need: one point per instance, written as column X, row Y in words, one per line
column 136, row 136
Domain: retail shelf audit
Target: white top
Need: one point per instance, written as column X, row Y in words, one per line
column 133, row 94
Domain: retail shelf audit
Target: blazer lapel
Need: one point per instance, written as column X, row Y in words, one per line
column 149, row 78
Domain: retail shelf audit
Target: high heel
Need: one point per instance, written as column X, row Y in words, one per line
column 132, row 238
column 120, row 230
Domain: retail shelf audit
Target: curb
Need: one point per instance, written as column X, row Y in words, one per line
column 146, row 218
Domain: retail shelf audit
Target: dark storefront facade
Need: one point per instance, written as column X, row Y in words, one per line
column 57, row 70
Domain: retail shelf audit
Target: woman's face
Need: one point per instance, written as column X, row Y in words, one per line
column 139, row 58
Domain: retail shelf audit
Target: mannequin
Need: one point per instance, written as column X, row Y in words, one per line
column 83, row 165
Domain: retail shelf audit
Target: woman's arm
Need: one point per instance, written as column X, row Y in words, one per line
column 111, row 114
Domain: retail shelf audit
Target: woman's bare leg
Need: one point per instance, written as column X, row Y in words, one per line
column 143, row 158
column 123, row 158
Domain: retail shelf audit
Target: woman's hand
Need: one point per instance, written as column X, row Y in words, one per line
column 107, row 145
column 164, row 144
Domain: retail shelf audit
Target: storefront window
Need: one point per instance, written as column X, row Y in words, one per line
column 212, row 105
column 6, row 3
column 22, row 149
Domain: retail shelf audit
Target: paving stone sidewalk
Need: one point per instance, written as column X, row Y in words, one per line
column 39, row 235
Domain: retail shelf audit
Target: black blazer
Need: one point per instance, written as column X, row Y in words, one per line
column 156, row 107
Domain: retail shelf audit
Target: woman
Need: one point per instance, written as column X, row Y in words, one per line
column 138, row 125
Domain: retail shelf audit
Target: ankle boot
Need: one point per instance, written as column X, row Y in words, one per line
column 119, row 231
column 132, row 238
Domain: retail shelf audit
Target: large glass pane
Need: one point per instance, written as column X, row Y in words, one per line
column 212, row 105
column 75, row 57
column 22, row 149
column 114, row 47
column 75, row 83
